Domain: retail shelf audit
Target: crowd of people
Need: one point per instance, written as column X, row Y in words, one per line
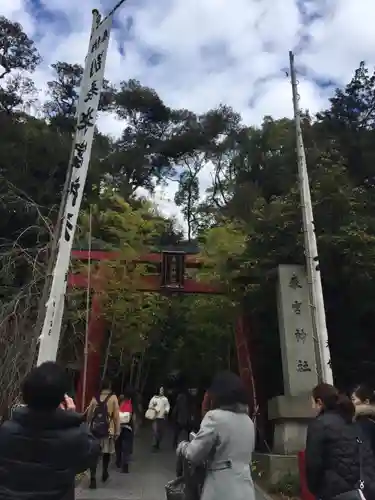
column 46, row 443
column 340, row 446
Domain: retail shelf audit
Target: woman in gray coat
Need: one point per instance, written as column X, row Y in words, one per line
column 225, row 442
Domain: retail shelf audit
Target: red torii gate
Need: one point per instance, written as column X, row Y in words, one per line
column 161, row 282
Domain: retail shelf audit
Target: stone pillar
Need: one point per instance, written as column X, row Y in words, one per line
column 292, row 411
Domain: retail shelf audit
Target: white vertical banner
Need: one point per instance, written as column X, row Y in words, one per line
column 87, row 109
column 323, row 355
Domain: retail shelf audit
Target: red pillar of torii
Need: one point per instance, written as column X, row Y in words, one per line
column 161, row 282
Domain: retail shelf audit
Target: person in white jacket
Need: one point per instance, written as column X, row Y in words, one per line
column 160, row 404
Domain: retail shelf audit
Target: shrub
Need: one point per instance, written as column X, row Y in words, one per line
column 255, row 470
column 288, row 486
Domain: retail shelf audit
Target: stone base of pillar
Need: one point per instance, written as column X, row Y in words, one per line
column 272, row 468
column 290, row 415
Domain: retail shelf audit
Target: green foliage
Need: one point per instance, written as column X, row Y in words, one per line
column 187, row 194
column 197, row 338
column 19, row 92
column 17, row 50
column 63, row 93
column 193, row 335
column 116, row 226
column 256, row 471
column 288, row 486
column 221, row 246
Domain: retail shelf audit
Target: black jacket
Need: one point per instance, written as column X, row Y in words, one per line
column 365, row 416
column 332, row 457
column 40, row 454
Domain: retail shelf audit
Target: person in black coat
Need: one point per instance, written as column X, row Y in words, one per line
column 363, row 398
column 181, row 417
column 45, row 443
column 332, row 448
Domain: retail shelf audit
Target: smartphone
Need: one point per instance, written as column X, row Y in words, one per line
column 192, row 436
column 63, row 403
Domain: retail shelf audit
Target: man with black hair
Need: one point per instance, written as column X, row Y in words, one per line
column 181, row 416
column 45, row 443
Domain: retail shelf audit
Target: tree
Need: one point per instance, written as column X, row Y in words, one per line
column 209, row 337
column 64, row 93
column 17, row 50
column 17, row 54
column 131, row 313
column 196, row 340
column 156, row 138
column 187, row 195
column 19, row 92
column 135, row 159
column 349, row 125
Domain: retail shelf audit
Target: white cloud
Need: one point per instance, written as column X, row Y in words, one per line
column 108, row 123
column 163, row 197
column 341, row 39
column 212, row 51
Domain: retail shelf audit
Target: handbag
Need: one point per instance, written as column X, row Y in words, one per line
column 150, row 414
column 356, row 494
column 125, row 417
column 175, row 489
column 351, row 495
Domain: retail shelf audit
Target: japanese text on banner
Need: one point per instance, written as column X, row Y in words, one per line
column 88, row 104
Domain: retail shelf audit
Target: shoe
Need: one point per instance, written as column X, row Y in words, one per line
column 92, row 484
column 118, row 464
column 125, row 469
column 105, row 476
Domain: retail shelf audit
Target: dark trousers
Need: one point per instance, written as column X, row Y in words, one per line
column 70, row 495
column 105, row 461
column 124, row 447
column 158, row 426
column 178, row 429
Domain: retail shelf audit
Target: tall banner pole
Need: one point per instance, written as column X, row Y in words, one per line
column 88, row 297
column 311, row 248
column 87, row 110
column 56, row 233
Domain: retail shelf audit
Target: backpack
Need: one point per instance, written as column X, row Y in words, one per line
column 100, row 420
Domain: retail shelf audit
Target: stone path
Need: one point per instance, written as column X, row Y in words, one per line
column 149, row 472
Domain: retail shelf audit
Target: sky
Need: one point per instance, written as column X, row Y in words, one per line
column 198, row 54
